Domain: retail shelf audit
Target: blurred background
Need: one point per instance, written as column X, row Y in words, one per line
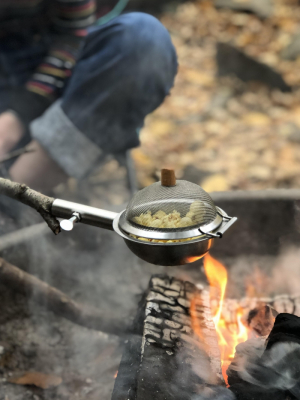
column 233, row 118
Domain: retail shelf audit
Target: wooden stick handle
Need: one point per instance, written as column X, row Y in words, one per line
column 38, row 201
column 168, row 177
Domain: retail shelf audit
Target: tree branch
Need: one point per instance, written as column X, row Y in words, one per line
column 16, row 153
column 41, row 203
column 22, row 235
column 56, row 301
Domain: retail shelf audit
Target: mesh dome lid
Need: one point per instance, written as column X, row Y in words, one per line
column 164, row 207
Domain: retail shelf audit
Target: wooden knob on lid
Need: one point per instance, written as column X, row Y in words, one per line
column 168, row 177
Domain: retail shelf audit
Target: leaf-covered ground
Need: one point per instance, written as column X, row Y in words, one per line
column 223, row 133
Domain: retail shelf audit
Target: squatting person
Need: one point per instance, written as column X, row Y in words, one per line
column 75, row 89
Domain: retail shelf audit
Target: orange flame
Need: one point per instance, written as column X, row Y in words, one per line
column 217, row 278
column 228, row 336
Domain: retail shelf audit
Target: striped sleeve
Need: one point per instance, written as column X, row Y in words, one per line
column 75, row 16
column 71, row 19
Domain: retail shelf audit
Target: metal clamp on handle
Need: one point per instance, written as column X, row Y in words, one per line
column 68, row 224
column 226, row 224
column 210, row 234
column 84, row 214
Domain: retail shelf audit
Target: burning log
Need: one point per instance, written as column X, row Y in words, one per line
column 56, row 301
column 277, row 304
column 261, row 320
column 269, row 371
column 177, row 352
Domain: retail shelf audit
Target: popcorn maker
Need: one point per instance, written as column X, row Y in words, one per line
column 167, row 223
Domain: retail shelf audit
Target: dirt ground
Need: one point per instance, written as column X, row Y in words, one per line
column 223, row 133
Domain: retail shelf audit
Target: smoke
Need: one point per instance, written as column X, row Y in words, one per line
column 287, row 265
column 278, row 368
column 264, row 276
column 215, row 393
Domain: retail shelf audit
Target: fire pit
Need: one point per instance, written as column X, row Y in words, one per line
column 191, row 343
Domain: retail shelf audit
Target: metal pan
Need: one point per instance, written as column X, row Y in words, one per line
column 166, row 254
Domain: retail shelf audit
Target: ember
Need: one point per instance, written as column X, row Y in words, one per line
column 262, row 319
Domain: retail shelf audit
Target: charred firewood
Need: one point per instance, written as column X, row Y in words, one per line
column 269, row 370
column 178, row 353
column 261, row 319
column 246, row 391
column 286, row 329
column 56, row 301
column 278, row 304
column 250, row 352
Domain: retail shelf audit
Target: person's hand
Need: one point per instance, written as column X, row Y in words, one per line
column 11, row 131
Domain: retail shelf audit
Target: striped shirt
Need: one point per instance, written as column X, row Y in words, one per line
column 69, row 19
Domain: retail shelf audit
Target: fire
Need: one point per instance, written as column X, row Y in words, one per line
column 229, row 336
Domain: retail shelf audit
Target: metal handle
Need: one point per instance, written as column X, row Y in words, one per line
column 226, row 225
column 68, row 224
column 87, row 215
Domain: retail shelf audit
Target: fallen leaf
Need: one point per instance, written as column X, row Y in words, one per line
column 215, row 183
column 44, row 381
column 141, row 159
column 256, row 118
column 260, row 172
column 161, row 127
column 198, row 77
column 295, row 115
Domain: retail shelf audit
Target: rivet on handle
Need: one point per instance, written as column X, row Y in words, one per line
column 68, row 224
column 168, row 177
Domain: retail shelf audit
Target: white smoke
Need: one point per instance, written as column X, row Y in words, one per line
column 278, row 368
